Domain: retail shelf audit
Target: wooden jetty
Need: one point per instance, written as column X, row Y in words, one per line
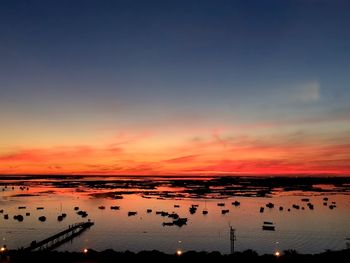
column 60, row 238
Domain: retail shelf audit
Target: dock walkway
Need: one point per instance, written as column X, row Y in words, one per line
column 60, row 238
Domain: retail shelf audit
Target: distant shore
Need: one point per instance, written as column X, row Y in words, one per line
column 199, row 176
column 18, row 256
column 192, row 187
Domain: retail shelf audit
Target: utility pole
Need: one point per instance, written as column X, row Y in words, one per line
column 232, row 238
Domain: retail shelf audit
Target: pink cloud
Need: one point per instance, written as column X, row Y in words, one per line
column 58, row 153
column 182, row 159
column 38, row 155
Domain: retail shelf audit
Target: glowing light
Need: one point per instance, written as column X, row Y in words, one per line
column 179, row 252
column 277, row 253
column 85, row 250
column 2, row 249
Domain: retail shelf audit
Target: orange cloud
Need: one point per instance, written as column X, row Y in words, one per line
column 42, row 155
column 213, row 153
column 182, row 159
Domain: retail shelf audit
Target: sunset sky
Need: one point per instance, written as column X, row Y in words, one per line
column 175, row 87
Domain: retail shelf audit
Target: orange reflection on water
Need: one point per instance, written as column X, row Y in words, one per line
column 116, row 229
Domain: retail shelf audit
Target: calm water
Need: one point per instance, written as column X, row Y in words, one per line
column 307, row 231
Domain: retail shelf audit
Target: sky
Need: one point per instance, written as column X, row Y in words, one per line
column 175, row 87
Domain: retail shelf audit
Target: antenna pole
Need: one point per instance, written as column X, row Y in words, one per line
column 232, row 239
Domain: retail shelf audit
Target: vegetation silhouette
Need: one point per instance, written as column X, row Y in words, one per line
column 91, row 256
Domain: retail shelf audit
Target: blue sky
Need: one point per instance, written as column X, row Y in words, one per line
column 144, row 65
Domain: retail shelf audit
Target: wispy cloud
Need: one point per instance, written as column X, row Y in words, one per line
column 58, row 154
column 307, row 92
column 211, row 153
column 38, row 155
column 123, row 138
column 182, row 159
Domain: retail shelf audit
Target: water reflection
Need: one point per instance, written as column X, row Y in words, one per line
column 133, row 220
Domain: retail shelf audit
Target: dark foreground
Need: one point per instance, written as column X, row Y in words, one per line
column 156, row 256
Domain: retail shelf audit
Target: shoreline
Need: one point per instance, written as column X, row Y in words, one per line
column 170, row 176
column 180, row 187
column 109, row 255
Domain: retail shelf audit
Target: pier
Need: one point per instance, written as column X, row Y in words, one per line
column 60, row 238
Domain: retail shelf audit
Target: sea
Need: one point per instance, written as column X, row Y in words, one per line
column 298, row 227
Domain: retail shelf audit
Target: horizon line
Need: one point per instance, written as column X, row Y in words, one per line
column 301, row 175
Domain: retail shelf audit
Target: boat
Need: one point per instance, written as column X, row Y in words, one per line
column 115, row 207
column 180, row 222
column 82, row 213
column 221, row 204
column 270, row 205
column 19, row 218
column 193, row 209
column 101, row 207
column 224, row 211
column 164, row 214
column 205, row 212
column 173, row 216
column 268, row 223
column 296, row 206
column 42, row 218
column 268, row 226
column 131, row 213
column 236, row 203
